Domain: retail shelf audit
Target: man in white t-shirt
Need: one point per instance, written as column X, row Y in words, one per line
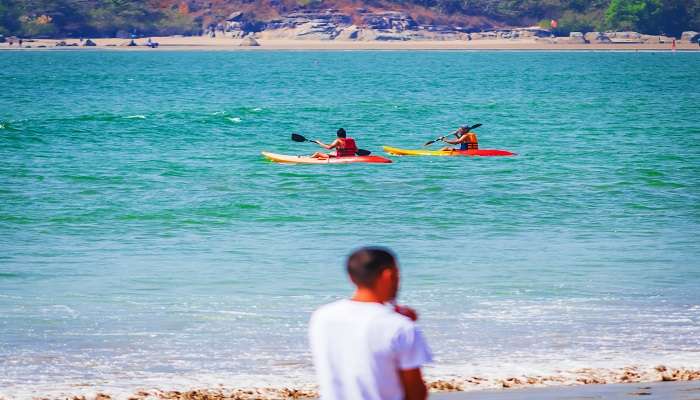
column 364, row 348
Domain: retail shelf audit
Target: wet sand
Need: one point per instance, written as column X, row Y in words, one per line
column 229, row 44
column 627, row 391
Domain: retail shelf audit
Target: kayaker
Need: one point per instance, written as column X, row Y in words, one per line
column 343, row 145
column 465, row 139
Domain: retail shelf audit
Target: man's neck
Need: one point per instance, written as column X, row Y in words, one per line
column 366, row 296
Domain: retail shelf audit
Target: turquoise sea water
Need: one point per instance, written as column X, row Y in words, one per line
column 145, row 242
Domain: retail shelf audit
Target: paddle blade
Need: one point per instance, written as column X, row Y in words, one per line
column 429, row 143
column 298, row 138
column 475, row 126
column 363, row 152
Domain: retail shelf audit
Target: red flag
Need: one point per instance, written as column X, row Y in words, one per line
column 553, row 23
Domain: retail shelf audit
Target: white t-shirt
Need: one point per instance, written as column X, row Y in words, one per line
column 358, row 349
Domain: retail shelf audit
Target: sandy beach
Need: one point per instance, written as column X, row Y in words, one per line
column 229, row 44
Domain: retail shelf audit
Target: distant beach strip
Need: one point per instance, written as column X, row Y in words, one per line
column 285, row 40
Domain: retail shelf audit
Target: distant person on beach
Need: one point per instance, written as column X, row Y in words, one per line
column 343, row 145
column 465, row 139
column 365, row 348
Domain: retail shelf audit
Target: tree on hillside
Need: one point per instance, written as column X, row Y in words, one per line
column 9, row 17
column 634, row 15
column 680, row 15
column 669, row 17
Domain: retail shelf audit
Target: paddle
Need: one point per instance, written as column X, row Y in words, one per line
column 469, row 128
column 299, row 138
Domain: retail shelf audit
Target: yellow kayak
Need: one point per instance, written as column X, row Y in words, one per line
column 473, row 153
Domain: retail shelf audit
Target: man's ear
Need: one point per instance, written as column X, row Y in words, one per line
column 387, row 274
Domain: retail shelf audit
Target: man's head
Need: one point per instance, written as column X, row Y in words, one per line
column 463, row 129
column 341, row 133
column 375, row 268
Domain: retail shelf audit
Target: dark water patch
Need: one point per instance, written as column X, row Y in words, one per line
column 13, row 275
column 432, row 189
column 657, row 183
column 244, row 206
column 148, row 216
column 15, row 219
column 650, row 172
column 83, row 217
column 282, row 218
column 94, row 179
column 225, row 211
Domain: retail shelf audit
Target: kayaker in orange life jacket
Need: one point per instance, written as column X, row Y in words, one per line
column 343, row 145
column 465, row 139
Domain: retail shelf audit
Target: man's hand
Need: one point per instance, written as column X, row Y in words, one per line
column 406, row 311
column 413, row 386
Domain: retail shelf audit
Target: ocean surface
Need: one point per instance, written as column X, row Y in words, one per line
column 144, row 242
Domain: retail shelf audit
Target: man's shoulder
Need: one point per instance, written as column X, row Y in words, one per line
column 379, row 313
column 329, row 309
column 397, row 321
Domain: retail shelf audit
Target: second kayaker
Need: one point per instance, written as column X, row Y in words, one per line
column 343, row 145
column 465, row 139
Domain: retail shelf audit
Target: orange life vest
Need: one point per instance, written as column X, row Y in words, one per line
column 472, row 144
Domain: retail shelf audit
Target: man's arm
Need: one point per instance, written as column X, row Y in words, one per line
column 456, row 141
column 413, row 385
column 328, row 146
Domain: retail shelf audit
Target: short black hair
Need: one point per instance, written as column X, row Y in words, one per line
column 341, row 133
column 365, row 264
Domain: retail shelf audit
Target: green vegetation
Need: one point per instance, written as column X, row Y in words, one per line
column 654, row 16
column 95, row 18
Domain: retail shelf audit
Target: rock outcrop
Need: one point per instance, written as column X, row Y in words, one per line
column 389, row 21
column 249, row 41
column 655, row 39
column 577, row 38
column 597, row 37
column 624, row 37
column 331, row 24
column 366, row 25
column 690, row 36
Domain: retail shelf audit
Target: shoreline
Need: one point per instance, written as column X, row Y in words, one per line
column 654, row 390
column 612, row 383
column 198, row 43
